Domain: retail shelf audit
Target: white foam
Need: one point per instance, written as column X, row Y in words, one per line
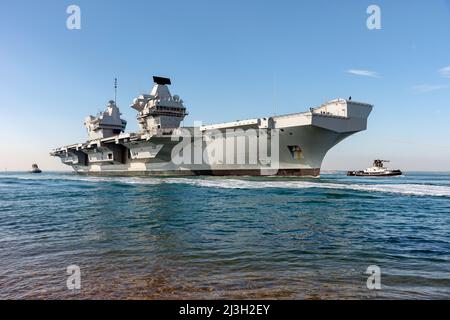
column 230, row 183
column 407, row 189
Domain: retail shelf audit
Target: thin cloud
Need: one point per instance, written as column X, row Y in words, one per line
column 445, row 72
column 363, row 73
column 421, row 144
column 425, row 88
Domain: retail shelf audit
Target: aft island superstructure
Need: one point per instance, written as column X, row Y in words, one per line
column 285, row 145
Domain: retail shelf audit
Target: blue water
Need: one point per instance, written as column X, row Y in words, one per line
column 201, row 237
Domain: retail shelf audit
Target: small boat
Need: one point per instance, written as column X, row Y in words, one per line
column 35, row 168
column 377, row 170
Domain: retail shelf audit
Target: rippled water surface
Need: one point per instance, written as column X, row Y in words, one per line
column 200, row 237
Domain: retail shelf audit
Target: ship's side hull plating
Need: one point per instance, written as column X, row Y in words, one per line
column 300, row 153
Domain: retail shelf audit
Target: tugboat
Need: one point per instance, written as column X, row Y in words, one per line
column 377, row 170
column 35, row 168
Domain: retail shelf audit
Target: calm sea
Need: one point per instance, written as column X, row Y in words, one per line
column 198, row 238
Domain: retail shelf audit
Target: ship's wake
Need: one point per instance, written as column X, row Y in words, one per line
column 413, row 189
column 404, row 189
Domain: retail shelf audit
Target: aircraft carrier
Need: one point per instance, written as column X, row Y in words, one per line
column 282, row 145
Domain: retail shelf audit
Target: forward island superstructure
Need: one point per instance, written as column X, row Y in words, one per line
column 285, row 145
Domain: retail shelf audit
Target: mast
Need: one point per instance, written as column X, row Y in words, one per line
column 115, row 91
column 274, row 91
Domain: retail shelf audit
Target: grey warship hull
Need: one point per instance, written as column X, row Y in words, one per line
column 286, row 145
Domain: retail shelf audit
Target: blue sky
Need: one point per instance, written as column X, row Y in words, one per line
column 229, row 60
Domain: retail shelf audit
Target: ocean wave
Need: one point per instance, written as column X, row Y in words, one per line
column 413, row 189
column 405, row 189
